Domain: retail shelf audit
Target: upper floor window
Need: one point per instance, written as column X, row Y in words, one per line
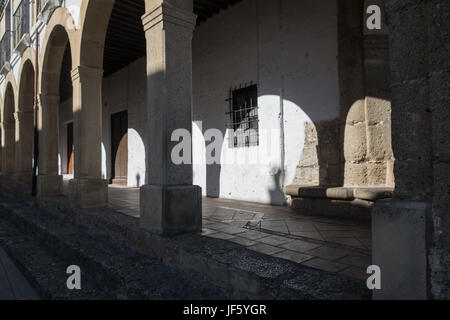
column 244, row 121
column 40, row 4
column 4, row 49
column 20, row 22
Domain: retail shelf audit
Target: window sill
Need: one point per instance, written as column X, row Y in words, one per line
column 5, row 69
column 23, row 44
column 47, row 10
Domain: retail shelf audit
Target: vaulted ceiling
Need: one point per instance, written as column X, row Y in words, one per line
column 125, row 39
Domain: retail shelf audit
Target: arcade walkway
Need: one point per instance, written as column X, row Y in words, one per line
column 334, row 245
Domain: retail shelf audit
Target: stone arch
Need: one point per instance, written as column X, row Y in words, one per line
column 25, row 117
column 27, row 65
column 60, row 33
column 94, row 21
column 8, row 126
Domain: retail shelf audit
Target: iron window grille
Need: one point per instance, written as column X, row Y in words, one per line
column 243, row 116
column 20, row 22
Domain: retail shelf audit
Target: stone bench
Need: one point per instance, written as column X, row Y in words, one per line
column 346, row 202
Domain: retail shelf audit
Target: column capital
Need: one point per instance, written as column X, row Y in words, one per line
column 21, row 115
column 166, row 13
column 47, row 99
column 83, row 72
column 8, row 124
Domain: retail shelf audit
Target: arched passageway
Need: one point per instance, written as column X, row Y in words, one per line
column 8, row 133
column 24, row 124
column 50, row 180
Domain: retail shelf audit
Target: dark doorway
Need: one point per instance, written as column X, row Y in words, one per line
column 70, row 148
column 119, row 148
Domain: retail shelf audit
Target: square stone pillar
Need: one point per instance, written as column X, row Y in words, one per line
column 169, row 204
column 24, row 152
column 401, row 226
column 8, row 151
column 49, row 182
column 87, row 189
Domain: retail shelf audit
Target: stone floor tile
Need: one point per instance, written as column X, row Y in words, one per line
column 232, row 230
column 274, row 240
column 357, row 260
column 243, row 241
column 206, row 231
column 352, row 242
column 308, row 234
column 336, row 234
column 266, row 249
column 300, row 226
column 293, row 256
column 299, row 246
column 329, row 253
column 221, row 235
column 253, row 235
column 326, row 265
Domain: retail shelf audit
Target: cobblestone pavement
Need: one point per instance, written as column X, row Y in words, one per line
column 13, row 285
column 330, row 244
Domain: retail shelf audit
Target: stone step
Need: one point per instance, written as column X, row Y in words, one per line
column 43, row 270
column 118, row 271
column 226, row 264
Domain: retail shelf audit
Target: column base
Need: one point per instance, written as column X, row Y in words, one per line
column 171, row 210
column 7, row 178
column 399, row 249
column 88, row 193
column 49, row 185
column 23, row 180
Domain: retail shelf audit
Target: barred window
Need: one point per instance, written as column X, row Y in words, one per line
column 4, row 49
column 20, row 21
column 243, row 114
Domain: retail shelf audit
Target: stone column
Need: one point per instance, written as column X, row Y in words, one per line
column 87, row 189
column 49, row 182
column 399, row 226
column 170, row 204
column 8, row 152
column 439, row 77
column 24, row 152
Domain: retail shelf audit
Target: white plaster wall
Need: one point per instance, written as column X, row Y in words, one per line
column 126, row 90
column 288, row 48
column 65, row 117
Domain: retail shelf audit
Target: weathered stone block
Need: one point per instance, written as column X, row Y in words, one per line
column 355, row 142
column 399, row 248
column 309, row 157
column 380, row 147
column 376, row 173
column 378, row 110
column 356, row 113
column 171, row 210
column 355, row 174
column 88, row 193
column 49, row 185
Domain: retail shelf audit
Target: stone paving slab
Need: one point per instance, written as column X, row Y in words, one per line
column 330, row 244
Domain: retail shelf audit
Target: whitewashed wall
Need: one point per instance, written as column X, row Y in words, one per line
column 289, row 48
